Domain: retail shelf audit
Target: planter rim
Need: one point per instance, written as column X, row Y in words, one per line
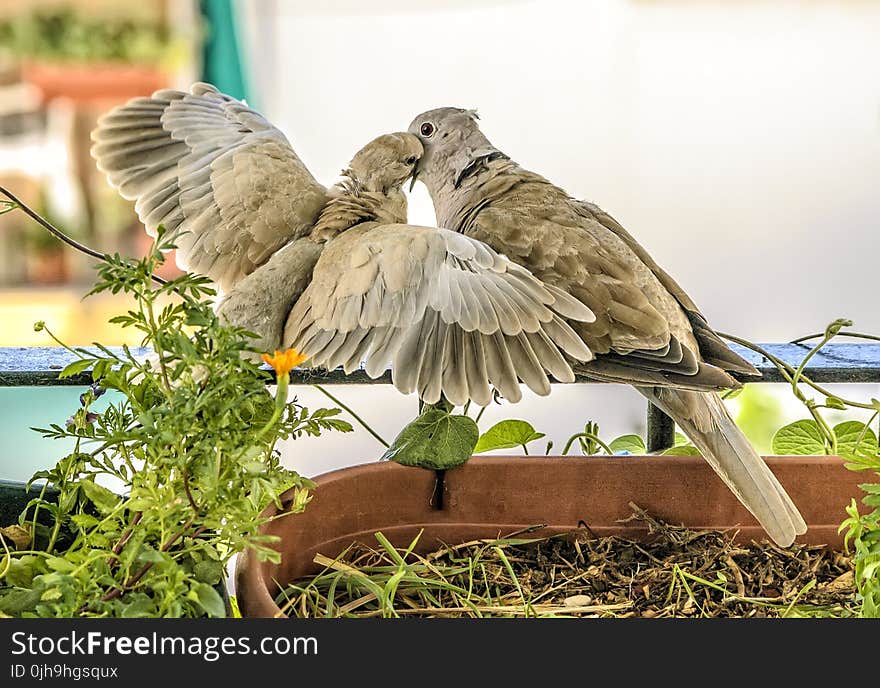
column 494, row 495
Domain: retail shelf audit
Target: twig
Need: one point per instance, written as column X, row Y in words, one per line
column 58, row 234
column 353, row 415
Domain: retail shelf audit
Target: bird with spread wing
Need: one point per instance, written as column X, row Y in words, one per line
column 336, row 273
column 647, row 331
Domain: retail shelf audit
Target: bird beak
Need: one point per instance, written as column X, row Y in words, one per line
column 415, row 176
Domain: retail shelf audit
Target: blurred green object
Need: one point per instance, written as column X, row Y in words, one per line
column 221, row 54
column 760, row 415
column 64, row 35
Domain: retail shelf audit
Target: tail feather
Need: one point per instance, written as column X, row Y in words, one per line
column 703, row 417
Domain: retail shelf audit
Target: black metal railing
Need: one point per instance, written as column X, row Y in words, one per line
column 847, row 363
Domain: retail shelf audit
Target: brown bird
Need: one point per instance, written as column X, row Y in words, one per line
column 336, row 273
column 451, row 316
column 647, row 331
column 229, row 187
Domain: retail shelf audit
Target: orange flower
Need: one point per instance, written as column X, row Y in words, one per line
column 284, row 361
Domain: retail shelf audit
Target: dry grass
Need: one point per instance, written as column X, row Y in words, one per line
column 675, row 572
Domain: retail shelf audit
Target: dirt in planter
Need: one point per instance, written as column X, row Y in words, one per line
column 673, row 572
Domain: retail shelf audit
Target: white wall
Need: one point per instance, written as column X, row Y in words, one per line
column 739, row 141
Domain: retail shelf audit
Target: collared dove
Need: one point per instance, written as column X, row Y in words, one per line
column 450, row 315
column 336, row 274
column 647, row 331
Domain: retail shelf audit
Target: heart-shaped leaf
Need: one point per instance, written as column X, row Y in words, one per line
column 506, row 435
column 854, row 439
column 629, row 444
column 436, row 439
column 800, row 438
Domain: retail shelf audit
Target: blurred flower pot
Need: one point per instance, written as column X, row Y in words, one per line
column 47, row 266
column 93, row 81
column 492, row 496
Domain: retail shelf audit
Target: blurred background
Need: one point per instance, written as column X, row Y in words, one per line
column 739, row 141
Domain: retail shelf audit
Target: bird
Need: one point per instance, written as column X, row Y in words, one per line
column 229, row 188
column 647, row 331
column 335, row 273
column 454, row 318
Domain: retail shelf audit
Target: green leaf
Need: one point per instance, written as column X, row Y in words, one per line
column 21, row 572
column 801, row 438
column 83, row 521
column 254, row 467
column 210, row 600
column 99, row 370
column 210, row 572
column 682, row 450
column 835, row 403
column 100, row 496
column 51, row 595
column 138, row 606
column 18, row 602
column 149, row 555
column 506, row 435
column 76, row 367
column 60, row 564
column 628, row 443
column 854, row 439
column 435, row 439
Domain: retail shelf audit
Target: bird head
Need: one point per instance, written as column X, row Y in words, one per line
column 453, row 142
column 386, row 162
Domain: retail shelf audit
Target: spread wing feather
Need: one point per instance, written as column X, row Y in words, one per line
column 450, row 315
column 206, row 166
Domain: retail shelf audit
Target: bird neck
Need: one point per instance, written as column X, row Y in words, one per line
column 459, row 196
column 350, row 206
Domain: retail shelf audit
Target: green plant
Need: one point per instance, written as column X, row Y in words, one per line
column 442, row 437
column 853, row 440
column 168, row 483
column 63, row 34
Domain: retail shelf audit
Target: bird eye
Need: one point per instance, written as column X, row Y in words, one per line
column 411, row 160
column 427, row 129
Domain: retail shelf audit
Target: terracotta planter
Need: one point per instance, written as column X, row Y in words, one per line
column 93, row 82
column 491, row 496
column 47, row 267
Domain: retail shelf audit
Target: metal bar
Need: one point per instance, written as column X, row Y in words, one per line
column 661, row 430
column 39, row 366
column 835, row 362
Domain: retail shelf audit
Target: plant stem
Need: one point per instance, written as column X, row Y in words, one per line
column 858, row 335
column 588, row 436
column 133, row 580
column 282, row 383
column 148, row 302
column 62, row 344
column 39, row 219
column 188, row 491
column 125, row 537
column 353, row 415
column 787, row 371
column 57, row 527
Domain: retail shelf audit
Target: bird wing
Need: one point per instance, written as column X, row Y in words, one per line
column 449, row 314
column 713, row 350
column 214, row 171
column 642, row 334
